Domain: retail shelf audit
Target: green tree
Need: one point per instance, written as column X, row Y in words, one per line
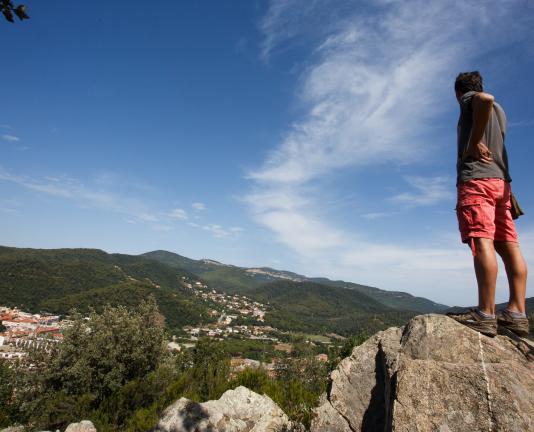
column 7, row 408
column 97, row 358
column 211, row 369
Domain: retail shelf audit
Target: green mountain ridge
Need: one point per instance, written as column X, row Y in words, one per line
column 243, row 280
column 57, row 280
column 312, row 307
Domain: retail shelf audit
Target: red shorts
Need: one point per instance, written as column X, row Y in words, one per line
column 483, row 210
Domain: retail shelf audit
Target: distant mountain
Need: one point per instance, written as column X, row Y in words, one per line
column 312, row 307
column 245, row 280
column 57, row 280
column 394, row 299
column 529, row 303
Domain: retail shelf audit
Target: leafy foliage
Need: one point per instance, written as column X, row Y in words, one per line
column 97, row 358
column 249, row 348
column 8, row 410
column 114, row 370
column 10, row 11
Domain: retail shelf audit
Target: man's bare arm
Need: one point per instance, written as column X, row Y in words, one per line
column 482, row 104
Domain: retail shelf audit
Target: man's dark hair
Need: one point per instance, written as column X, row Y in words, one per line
column 468, row 81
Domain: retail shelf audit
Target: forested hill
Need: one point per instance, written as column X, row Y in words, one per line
column 48, row 280
column 245, row 280
column 312, row 307
column 56, row 280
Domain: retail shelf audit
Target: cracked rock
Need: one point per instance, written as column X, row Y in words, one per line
column 432, row 375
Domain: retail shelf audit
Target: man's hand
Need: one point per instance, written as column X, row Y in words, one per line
column 479, row 152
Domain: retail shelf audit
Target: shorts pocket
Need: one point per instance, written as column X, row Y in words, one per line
column 471, row 216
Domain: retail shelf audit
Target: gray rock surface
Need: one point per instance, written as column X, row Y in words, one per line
column 238, row 410
column 432, row 375
column 83, row 426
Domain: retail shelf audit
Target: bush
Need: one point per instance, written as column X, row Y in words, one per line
column 100, row 360
column 9, row 410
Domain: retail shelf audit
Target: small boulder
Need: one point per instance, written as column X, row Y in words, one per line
column 83, row 426
column 238, row 410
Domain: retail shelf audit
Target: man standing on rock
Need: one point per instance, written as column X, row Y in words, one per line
column 483, row 208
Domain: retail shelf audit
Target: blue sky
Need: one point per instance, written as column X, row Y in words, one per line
column 306, row 135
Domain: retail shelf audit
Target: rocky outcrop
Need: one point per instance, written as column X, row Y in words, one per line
column 83, row 426
column 238, row 410
column 432, row 375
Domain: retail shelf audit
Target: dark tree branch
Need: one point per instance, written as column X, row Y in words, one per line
column 9, row 11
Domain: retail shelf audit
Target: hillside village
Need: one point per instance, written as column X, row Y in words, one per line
column 24, row 330
column 227, row 309
column 237, row 317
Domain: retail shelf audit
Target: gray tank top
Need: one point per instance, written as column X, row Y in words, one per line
column 494, row 135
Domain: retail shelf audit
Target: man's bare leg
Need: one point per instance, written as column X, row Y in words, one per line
column 516, row 271
column 485, row 262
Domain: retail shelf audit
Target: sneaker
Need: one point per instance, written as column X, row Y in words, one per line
column 472, row 319
column 517, row 325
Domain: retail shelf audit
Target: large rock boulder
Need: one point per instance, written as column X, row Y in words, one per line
column 238, row 410
column 432, row 375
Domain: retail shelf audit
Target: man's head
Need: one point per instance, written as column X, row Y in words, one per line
column 466, row 82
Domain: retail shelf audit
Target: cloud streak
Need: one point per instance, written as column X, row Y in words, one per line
column 10, row 138
column 135, row 209
column 376, row 75
column 429, row 191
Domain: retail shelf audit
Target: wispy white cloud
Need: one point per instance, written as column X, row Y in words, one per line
column 10, row 138
column 220, row 232
column 162, row 227
column 178, row 213
column 521, row 123
column 376, row 76
column 429, row 191
column 377, row 215
column 199, row 206
column 289, row 23
column 135, row 209
column 83, row 195
column 48, row 186
column 147, row 217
